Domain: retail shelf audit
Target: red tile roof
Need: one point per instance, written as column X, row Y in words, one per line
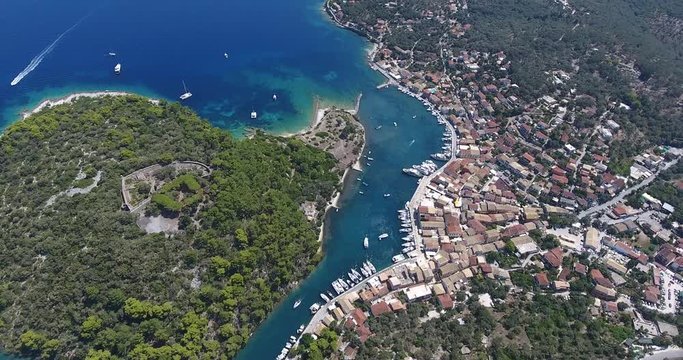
column 380, row 308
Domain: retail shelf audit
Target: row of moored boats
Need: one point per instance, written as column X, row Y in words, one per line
column 342, row 284
column 427, row 167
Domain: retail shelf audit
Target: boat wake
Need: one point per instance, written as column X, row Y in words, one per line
column 39, row 58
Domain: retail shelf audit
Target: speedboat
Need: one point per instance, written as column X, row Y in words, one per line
column 225, row 55
column 296, row 304
column 274, row 97
column 112, row 54
column 117, row 69
column 378, row 127
column 395, row 124
column 253, row 115
column 383, row 236
column 387, row 195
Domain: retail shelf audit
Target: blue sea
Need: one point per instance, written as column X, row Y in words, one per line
column 285, row 48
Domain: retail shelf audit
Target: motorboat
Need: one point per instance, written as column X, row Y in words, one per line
column 117, row 69
column 324, row 297
column 387, row 195
column 383, row 236
column 314, row 308
column 296, row 304
column 253, row 115
column 274, row 97
column 301, row 329
column 365, row 242
column 395, row 124
column 397, row 258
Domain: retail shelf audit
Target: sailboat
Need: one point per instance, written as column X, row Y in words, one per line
column 117, row 69
column 185, row 95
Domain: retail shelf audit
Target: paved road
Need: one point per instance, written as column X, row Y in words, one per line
column 625, row 193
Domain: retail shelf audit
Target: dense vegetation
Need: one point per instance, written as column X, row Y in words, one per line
column 77, row 275
column 544, row 327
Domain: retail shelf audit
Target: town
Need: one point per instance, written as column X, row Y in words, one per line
column 529, row 199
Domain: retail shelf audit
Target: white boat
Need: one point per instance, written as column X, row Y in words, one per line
column 383, row 236
column 117, row 69
column 414, row 116
column 301, row 329
column 378, row 127
column 387, row 195
column 365, row 242
column 395, row 124
column 324, row 297
column 360, row 192
column 314, row 308
column 253, row 115
column 355, row 272
column 111, row 54
column 225, row 55
column 296, row 304
column 370, row 159
column 329, row 294
column 274, row 97
column 364, row 271
column 412, row 172
column 372, row 267
column 186, row 95
column 398, row 258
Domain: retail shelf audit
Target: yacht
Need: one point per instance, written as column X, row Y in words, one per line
column 117, row 69
column 364, row 271
column 253, row 115
column 365, row 242
column 372, row 267
column 296, row 304
column 186, row 95
column 412, row 172
column 324, row 297
column 398, row 258
column 314, row 308
column 355, row 272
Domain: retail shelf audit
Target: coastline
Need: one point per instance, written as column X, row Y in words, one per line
column 70, row 98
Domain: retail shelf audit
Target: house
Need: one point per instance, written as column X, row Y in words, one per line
column 553, row 258
column 445, row 301
column 604, row 293
column 592, row 240
column 541, row 280
column 380, row 308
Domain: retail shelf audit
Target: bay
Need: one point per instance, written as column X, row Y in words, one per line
column 290, row 49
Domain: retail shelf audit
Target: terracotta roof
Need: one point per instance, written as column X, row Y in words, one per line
column 379, row 308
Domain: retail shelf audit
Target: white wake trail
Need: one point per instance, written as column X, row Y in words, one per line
column 39, row 58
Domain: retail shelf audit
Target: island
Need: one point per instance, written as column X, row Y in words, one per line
column 133, row 229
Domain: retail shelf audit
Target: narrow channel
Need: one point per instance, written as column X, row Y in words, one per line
column 392, row 148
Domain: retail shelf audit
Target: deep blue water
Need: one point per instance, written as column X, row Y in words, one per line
column 288, row 48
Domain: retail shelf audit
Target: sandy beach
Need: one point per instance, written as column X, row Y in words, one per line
column 67, row 99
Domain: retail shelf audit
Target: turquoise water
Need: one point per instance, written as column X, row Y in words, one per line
column 286, row 48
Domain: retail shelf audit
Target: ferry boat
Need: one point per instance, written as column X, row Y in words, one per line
column 365, row 242
column 296, row 304
column 117, row 69
column 186, row 95
column 383, row 236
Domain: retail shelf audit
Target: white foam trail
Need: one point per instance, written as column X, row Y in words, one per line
column 37, row 60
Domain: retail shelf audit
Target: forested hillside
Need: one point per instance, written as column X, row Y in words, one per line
column 79, row 279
